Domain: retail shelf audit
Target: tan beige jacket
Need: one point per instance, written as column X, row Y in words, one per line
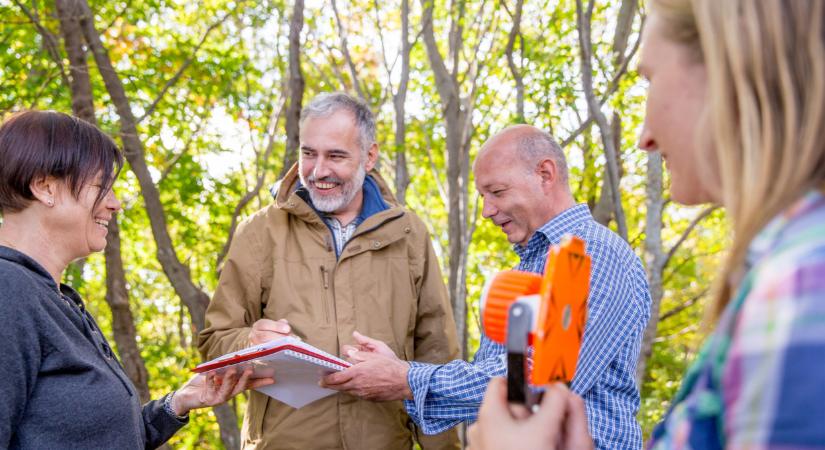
column 387, row 284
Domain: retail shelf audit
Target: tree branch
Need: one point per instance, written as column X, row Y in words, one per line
column 706, row 212
column 685, row 305
column 49, row 40
column 171, row 82
column 345, row 50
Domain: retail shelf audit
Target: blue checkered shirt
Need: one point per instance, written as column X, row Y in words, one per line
column 618, row 311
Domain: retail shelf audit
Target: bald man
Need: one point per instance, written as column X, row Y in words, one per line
column 522, row 175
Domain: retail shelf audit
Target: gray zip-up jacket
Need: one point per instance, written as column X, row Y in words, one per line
column 61, row 386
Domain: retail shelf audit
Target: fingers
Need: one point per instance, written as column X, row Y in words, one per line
column 264, row 330
column 519, row 412
column 226, row 386
column 364, row 340
column 473, row 436
column 274, row 326
column 356, row 356
column 577, row 434
column 336, row 380
column 346, row 349
column 260, row 382
column 242, row 383
column 553, row 406
column 367, row 343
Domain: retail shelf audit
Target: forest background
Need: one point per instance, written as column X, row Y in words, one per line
column 204, row 97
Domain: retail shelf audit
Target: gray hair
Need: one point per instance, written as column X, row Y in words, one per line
column 326, row 104
column 534, row 147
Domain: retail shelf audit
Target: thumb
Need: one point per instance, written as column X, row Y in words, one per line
column 494, row 408
column 553, row 409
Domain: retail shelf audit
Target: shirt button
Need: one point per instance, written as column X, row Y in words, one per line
column 407, row 230
column 376, row 244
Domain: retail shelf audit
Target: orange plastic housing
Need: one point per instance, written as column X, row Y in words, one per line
column 562, row 314
column 504, row 289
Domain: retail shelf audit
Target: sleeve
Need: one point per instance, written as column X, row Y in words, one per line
column 19, row 358
column 158, row 424
column 236, row 304
column 772, row 382
column 618, row 311
column 448, row 394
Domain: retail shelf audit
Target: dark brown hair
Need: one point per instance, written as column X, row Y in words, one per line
column 35, row 144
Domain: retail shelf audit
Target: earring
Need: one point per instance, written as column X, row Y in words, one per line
column 50, row 202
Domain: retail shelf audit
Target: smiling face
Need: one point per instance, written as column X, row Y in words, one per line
column 332, row 165
column 515, row 197
column 676, row 99
column 78, row 222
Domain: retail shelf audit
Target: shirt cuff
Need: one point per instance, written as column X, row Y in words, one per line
column 418, row 378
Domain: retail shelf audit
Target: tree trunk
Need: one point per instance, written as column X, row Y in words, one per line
column 655, row 257
column 515, row 33
column 123, row 324
column 402, row 175
column 295, row 88
column 456, row 118
column 610, row 136
column 178, row 274
column 117, row 297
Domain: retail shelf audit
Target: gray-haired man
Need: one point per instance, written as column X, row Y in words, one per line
column 333, row 254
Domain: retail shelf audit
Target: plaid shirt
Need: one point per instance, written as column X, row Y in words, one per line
column 759, row 381
column 618, row 311
column 340, row 233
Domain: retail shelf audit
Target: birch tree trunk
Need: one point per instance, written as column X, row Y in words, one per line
column 655, row 257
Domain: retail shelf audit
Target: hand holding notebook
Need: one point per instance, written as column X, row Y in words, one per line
column 296, row 366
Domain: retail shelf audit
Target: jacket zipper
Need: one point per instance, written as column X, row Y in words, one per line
column 325, row 278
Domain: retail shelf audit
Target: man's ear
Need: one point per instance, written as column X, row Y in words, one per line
column 372, row 156
column 547, row 170
column 45, row 189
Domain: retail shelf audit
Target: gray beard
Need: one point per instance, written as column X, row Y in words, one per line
column 348, row 192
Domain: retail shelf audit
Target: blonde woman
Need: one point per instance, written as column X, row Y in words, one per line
column 736, row 106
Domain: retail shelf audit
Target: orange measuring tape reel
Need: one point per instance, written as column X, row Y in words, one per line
column 558, row 304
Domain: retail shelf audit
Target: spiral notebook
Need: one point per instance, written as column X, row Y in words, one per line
column 296, row 366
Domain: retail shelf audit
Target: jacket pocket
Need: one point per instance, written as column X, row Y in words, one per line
column 325, row 280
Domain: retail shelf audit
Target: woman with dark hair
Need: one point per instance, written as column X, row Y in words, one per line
column 62, row 385
column 736, row 107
